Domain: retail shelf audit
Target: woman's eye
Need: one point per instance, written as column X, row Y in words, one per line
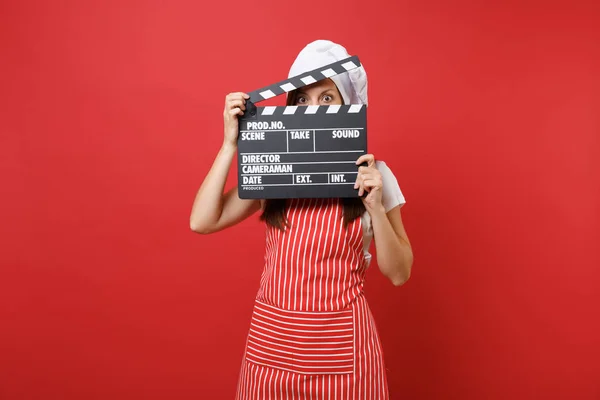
column 327, row 98
column 301, row 100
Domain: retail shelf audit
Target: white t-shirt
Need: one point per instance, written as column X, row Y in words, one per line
column 391, row 197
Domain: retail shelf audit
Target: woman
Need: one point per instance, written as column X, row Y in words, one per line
column 312, row 334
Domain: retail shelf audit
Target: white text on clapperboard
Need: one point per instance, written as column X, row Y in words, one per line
column 289, row 156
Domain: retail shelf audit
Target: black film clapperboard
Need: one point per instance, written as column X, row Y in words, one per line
column 301, row 151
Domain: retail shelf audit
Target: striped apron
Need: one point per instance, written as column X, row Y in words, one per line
column 312, row 335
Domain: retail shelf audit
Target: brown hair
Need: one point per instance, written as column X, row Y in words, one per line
column 274, row 211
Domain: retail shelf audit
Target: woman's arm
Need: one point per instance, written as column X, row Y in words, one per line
column 394, row 253
column 212, row 210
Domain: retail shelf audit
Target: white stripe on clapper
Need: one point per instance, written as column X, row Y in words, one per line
column 311, row 109
column 329, row 72
column 267, row 94
column 288, row 87
column 269, row 110
column 354, row 108
column 349, row 65
column 333, row 109
column 308, row 80
column 289, row 110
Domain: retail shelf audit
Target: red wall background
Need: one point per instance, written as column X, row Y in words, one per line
column 110, row 116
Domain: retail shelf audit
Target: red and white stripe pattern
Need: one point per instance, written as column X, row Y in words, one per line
column 316, row 264
column 302, row 342
column 312, row 335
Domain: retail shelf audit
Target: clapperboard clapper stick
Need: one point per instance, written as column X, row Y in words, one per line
column 301, row 151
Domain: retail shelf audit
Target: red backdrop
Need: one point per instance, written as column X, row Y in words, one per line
column 111, row 115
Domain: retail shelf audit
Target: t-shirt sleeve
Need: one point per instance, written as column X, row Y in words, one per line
column 391, row 195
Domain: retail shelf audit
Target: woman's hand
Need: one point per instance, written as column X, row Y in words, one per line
column 369, row 180
column 235, row 105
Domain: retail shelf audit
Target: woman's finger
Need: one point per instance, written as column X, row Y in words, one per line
column 364, row 189
column 363, row 177
column 369, row 173
column 241, row 103
column 368, row 158
column 358, row 181
column 235, row 99
column 368, row 170
column 235, row 111
column 237, row 95
column 371, row 183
